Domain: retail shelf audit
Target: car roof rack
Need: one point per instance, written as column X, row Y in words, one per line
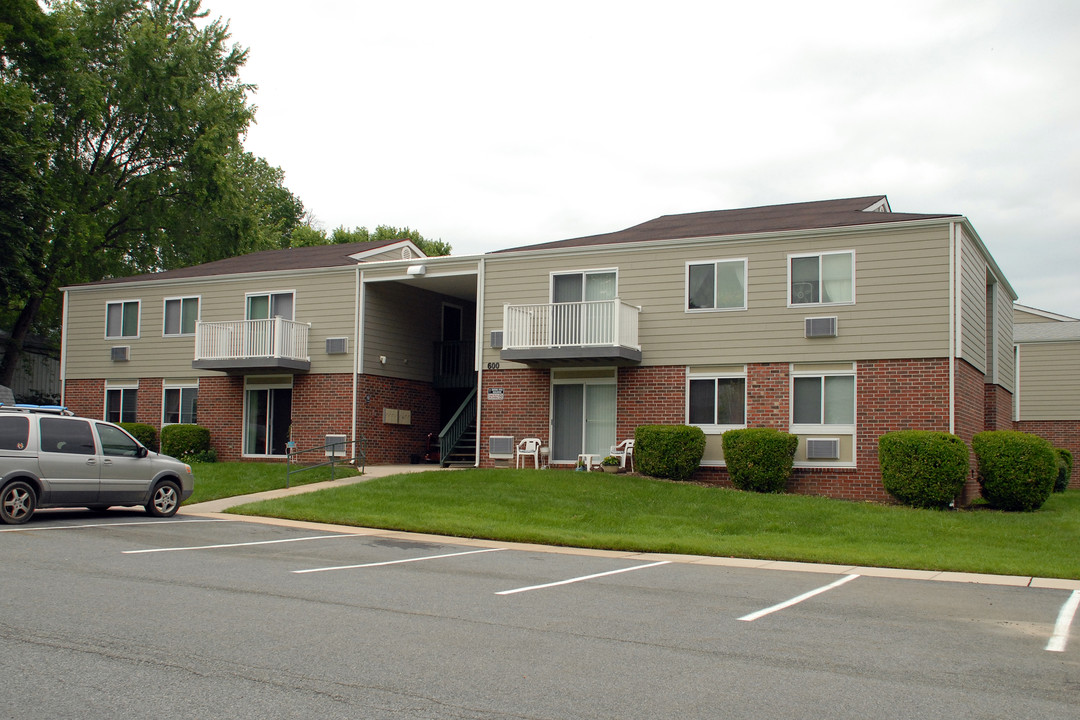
column 26, row 407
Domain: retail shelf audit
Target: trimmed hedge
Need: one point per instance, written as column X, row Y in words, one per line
column 1016, row 470
column 186, row 441
column 1065, row 463
column 146, row 434
column 759, row 459
column 668, row 451
column 922, row 468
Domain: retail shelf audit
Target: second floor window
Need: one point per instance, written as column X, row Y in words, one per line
column 122, row 319
column 181, row 314
column 823, row 279
column 270, row 305
column 716, row 285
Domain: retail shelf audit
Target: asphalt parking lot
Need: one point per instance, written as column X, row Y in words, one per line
column 119, row 615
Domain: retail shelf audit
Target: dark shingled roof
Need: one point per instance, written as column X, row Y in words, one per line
column 301, row 258
column 745, row 221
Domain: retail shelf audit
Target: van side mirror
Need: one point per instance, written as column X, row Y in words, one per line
column 143, row 452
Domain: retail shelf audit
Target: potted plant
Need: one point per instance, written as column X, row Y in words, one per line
column 610, row 464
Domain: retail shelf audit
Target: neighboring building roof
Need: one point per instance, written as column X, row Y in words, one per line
column 1042, row 313
column 1046, row 332
column 301, row 258
column 869, row 210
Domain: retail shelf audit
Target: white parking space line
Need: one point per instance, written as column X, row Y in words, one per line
column 581, row 579
column 233, row 545
column 396, row 562
column 115, row 524
column 796, row 600
column 1065, row 618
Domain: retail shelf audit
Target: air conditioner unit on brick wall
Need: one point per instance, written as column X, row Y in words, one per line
column 822, row 448
column 336, row 446
column 121, row 353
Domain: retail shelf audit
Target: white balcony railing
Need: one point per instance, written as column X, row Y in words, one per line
column 595, row 323
column 249, row 339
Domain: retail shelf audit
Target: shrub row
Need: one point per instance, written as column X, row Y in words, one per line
column 1017, row 471
column 186, row 442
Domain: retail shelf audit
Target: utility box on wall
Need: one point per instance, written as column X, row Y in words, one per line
column 393, row 416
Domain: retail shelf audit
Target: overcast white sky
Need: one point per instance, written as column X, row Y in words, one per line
column 495, row 124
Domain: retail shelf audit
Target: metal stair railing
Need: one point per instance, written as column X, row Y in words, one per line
column 358, row 457
column 456, row 427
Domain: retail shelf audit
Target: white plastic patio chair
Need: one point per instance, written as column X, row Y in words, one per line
column 528, row 447
column 625, row 452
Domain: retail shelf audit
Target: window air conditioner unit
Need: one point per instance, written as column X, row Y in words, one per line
column 496, row 339
column 822, row 449
column 501, row 447
column 820, row 327
column 337, row 346
column 336, row 446
column 121, row 353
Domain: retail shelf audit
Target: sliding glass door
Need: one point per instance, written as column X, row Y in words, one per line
column 582, row 414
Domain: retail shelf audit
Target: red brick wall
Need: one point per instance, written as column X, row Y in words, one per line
column 767, row 395
column 654, row 395
column 999, row 408
column 85, row 397
column 320, row 407
column 389, row 443
column 221, row 411
column 970, row 418
column 523, row 412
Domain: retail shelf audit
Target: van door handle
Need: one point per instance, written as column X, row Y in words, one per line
column 91, row 461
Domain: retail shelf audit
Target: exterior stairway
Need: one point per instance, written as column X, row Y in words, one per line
column 463, row 453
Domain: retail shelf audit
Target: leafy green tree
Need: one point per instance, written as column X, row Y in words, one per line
column 388, row 232
column 120, row 151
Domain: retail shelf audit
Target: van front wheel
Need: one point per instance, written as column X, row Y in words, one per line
column 165, row 500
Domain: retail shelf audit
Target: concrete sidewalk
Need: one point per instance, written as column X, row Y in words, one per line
column 370, row 473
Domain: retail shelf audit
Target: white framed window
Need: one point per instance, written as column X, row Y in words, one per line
column 823, row 399
column 181, row 314
column 713, row 285
column 179, row 404
column 121, row 402
column 122, row 319
column 716, row 402
column 267, row 305
column 822, row 279
column 584, row 285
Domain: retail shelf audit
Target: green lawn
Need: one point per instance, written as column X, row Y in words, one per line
column 623, row 512
column 229, row 479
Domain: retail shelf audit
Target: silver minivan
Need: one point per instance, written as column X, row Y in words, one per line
column 50, row 458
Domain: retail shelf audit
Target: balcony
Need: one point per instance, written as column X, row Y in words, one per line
column 252, row 345
column 595, row 331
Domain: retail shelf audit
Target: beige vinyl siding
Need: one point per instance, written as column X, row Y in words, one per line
column 1049, row 381
column 1004, row 360
column 1020, row 316
column 323, row 298
column 972, row 302
column 901, row 309
column 401, row 323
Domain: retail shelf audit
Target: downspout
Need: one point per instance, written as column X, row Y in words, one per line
column 954, row 263
column 478, row 354
column 357, row 354
column 63, row 349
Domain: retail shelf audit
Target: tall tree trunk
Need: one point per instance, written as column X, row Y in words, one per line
column 13, row 345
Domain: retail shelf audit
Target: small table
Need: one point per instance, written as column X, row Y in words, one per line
column 590, row 460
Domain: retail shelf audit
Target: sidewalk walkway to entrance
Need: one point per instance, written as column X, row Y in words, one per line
column 370, row 473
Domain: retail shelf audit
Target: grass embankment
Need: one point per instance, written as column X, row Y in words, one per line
column 622, row 512
column 229, row 479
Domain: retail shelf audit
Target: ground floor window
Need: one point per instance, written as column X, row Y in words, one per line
column 823, row 414
column 582, row 413
column 267, row 416
column 180, row 404
column 120, row 404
